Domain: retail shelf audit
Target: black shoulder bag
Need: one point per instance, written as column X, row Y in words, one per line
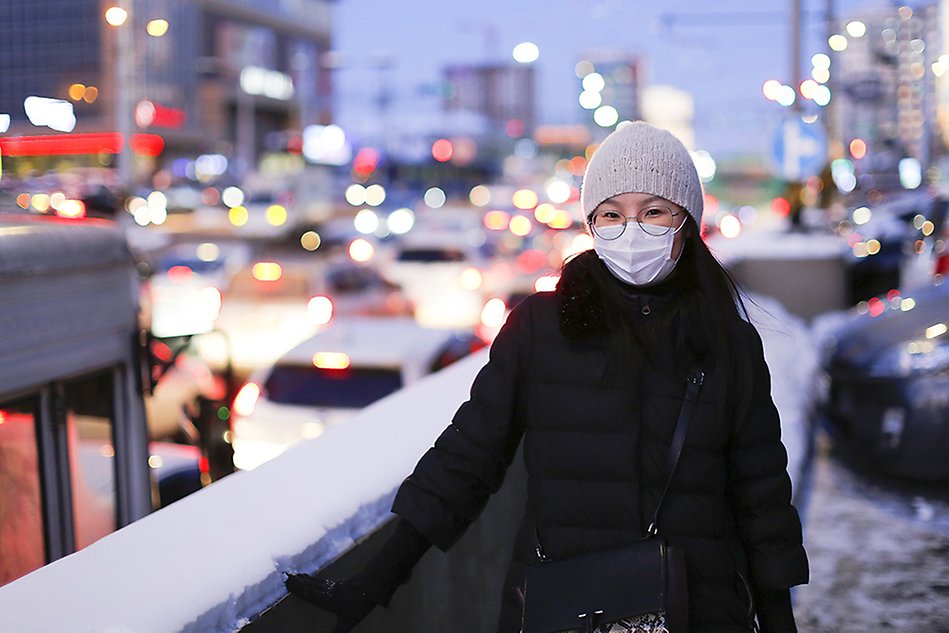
column 583, row 592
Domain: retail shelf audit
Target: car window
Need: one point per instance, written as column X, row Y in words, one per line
column 351, row 280
column 354, row 387
column 431, row 255
column 199, row 266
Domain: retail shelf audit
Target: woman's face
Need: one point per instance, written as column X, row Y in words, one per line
column 638, row 205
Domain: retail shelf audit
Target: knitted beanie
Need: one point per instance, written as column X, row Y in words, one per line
column 639, row 158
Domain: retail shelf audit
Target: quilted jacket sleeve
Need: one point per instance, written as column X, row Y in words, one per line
column 454, row 479
column 768, row 524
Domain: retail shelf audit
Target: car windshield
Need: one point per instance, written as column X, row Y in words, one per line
column 431, row 255
column 199, row 266
column 350, row 388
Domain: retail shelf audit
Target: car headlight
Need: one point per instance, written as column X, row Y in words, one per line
column 910, row 358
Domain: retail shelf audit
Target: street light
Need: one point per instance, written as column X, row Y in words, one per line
column 117, row 16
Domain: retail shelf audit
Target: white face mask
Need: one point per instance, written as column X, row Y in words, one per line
column 636, row 257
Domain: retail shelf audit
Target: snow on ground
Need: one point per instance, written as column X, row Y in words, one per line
column 215, row 559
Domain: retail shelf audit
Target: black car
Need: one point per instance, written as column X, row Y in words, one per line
column 885, row 237
column 887, row 373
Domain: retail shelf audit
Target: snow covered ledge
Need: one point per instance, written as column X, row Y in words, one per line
column 214, row 560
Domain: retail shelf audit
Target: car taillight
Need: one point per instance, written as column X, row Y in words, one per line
column 331, row 360
column 246, row 399
column 320, row 310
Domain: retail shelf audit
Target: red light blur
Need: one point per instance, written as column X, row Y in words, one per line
column 711, row 204
column 876, row 307
column 442, row 150
column 80, row 144
column 858, row 148
column 893, row 295
column 530, row 261
column 781, row 206
column 179, row 273
column 366, row 161
column 514, row 128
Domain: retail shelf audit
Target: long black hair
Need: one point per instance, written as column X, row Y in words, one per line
column 701, row 317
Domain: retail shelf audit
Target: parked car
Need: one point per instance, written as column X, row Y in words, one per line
column 330, row 376
column 183, row 292
column 893, row 243
column 442, row 275
column 887, row 383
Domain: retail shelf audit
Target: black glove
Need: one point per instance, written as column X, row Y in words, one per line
column 774, row 611
column 352, row 599
column 340, row 597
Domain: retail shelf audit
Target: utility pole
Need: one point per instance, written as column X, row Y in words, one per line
column 795, row 188
column 796, row 48
column 124, row 94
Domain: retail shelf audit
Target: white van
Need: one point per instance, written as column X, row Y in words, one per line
column 330, row 376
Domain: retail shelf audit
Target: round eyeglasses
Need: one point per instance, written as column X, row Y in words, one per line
column 655, row 221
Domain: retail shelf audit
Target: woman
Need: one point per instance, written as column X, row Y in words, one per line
column 591, row 378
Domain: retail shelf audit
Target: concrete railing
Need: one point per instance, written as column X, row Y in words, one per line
column 215, row 560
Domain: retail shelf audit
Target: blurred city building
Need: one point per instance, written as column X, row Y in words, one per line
column 180, row 79
column 886, row 78
column 506, row 95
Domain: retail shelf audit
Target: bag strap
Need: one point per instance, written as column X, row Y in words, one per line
column 693, row 385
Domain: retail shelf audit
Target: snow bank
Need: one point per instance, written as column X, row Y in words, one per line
column 211, row 561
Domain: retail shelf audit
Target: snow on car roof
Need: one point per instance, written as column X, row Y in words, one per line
column 373, row 341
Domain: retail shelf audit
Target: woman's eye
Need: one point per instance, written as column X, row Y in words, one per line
column 610, row 215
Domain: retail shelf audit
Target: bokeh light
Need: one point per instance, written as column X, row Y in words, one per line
column 435, row 198
column 361, row 250
column 276, row 215
column 520, row 225
column 311, row 240
column 401, row 221
column 366, row 221
column 837, row 42
column 116, row 16
column 593, row 82
column 480, row 196
column 232, row 197
column 606, row 116
column 157, row 27
column 375, row 195
column 856, row 28
column 858, row 148
column 442, row 150
column 525, row 53
column 524, row 199
column 355, row 194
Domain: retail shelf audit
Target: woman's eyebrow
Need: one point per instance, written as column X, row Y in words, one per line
column 652, row 199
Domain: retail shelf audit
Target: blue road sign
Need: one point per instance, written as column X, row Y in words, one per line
column 799, row 149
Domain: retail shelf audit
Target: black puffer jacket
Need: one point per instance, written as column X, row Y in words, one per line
column 595, row 450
